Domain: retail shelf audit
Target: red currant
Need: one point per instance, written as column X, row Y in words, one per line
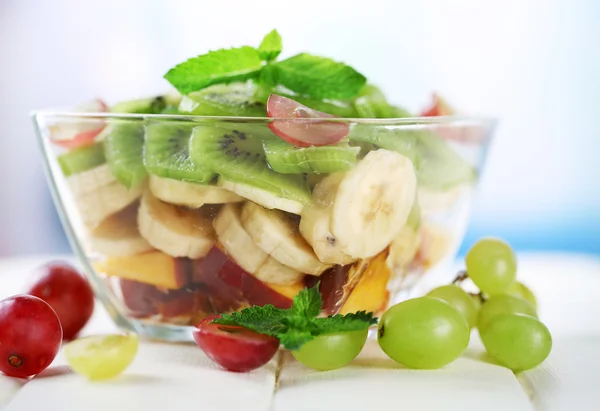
column 67, row 292
column 30, row 336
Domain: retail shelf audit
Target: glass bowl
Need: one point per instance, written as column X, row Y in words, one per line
column 177, row 217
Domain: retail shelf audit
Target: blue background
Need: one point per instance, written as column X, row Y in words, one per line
column 532, row 64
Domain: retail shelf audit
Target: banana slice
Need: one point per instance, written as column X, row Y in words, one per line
column 174, row 230
column 315, row 222
column 240, row 246
column 373, row 202
column 262, row 197
column 97, row 205
column 189, row 194
column 358, row 214
column 118, row 235
column 276, row 233
column 90, row 180
column 404, row 248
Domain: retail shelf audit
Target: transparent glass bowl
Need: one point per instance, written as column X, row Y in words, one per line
column 175, row 217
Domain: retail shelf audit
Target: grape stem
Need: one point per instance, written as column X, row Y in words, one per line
column 460, row 277
column 481, row 296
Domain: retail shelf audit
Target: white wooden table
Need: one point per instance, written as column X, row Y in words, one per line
column 173, row 377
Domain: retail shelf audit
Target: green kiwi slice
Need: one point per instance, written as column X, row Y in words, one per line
column 371, row 103
column 152, row 105
column 438, row 165
column 236, row 154
column 285, row 158
column 166, row 153
column 81, row 159
column 233, row 99
column 123, row 148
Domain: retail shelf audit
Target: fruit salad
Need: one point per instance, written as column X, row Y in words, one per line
column 255, row 178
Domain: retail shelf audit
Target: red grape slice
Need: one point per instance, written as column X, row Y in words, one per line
column 234, row 348
column 82, row 133
column 439, row 107
column 293, row 123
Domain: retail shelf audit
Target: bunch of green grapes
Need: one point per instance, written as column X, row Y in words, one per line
column 432, row 331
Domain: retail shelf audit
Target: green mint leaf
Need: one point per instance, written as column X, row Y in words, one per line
column 317, row 77
column 264, row 320
column 307, row 303
column 293, row 338
column 297, row 325
column 215, row 67
column 270, row 47
column 340, row 323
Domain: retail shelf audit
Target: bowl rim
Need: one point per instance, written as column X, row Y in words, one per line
column 416, row 120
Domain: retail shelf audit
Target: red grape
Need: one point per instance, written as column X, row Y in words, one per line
column 234, row 348
column 67, row 292
column 73, row 135
column 30, row 336
column 288, row 123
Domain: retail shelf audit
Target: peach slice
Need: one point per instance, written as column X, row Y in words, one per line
column 154, row 268
column 370, row 293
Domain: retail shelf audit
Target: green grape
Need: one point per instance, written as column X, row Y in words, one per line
column 492, row 265
column 503, row 304
column 477, row 301
column 424, row 333
column 521, row 290
column 517, row 341
column 331, row 351
column 459, row 299
column 101, row 357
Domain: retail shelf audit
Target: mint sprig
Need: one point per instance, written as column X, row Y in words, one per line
column 304, row 74
column 270, row 47
column 215, row 67
column 298, row 324
column 318, row 77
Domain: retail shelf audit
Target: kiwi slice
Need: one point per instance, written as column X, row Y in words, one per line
column 371, row 103
column 233, row 99
column 236, row 154
column 152, row 105
column 81, row 159
column 123, row 147
column 438, row 165
column 285, row 158
column 166, row 153
column 405, row 142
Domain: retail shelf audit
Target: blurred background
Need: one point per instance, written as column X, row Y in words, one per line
column 535, row 65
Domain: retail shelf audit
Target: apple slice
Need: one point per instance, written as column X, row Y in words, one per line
column 185, row 305
column 300, row 125
column 139, row 298
column 230, row 287
column 154, row 268
column 79, row 133
column 337, row 283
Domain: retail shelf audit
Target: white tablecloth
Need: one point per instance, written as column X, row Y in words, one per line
column 174, row 376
